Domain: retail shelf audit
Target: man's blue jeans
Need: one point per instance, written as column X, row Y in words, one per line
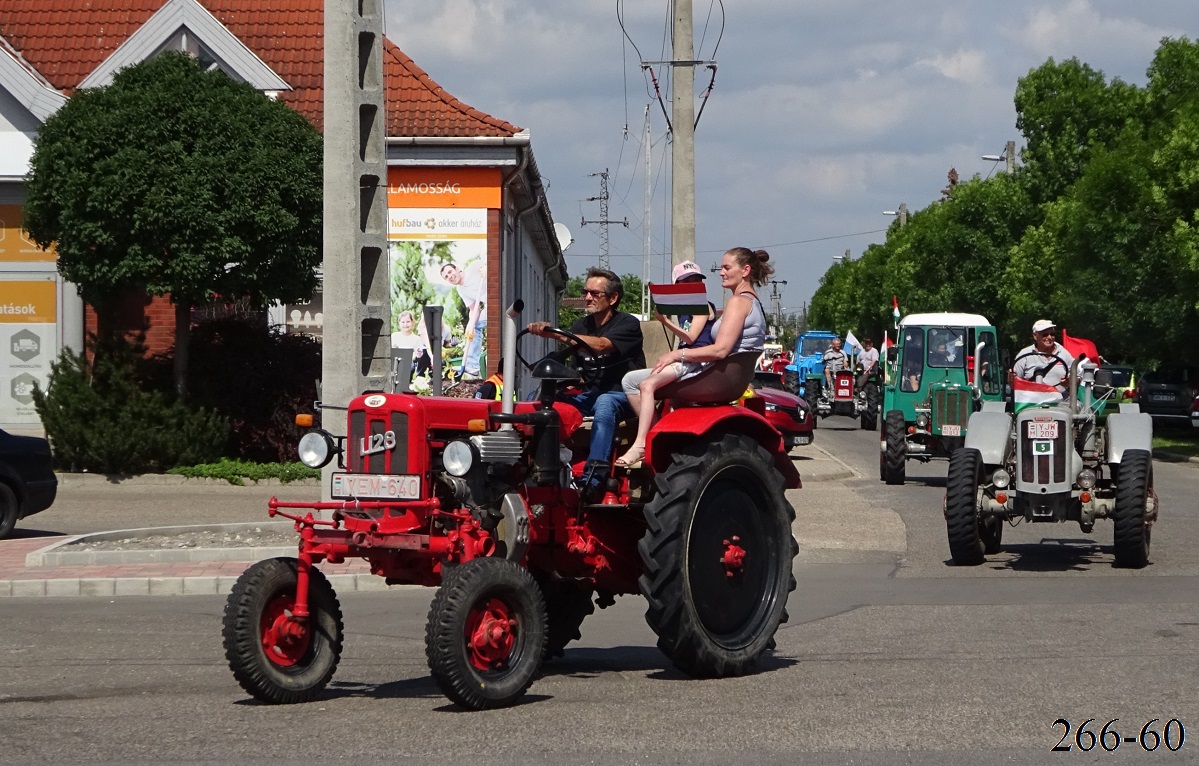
column 606, row 410
column 474, row 349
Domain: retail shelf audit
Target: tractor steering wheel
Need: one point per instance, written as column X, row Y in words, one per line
column 589, row 366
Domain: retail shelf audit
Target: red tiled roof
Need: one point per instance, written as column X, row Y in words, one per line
column 66, row 41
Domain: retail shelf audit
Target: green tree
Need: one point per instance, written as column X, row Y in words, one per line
column 177, row 180
column 1064, row 110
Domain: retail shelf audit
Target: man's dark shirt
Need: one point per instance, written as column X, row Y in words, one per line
column 624, row 332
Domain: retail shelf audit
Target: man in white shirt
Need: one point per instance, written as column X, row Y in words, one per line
column 834, row 360
column 1046, row 360
column 868, row 359
column 472, row 289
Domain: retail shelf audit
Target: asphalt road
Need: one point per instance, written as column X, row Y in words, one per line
column 889, row 657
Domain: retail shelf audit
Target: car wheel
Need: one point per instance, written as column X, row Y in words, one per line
column 8, row 511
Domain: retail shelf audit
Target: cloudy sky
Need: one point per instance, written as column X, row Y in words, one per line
column 824, row 114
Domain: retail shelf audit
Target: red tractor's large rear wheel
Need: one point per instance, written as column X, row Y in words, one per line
column 275, row 658
column 718, row 556
column 486, row 633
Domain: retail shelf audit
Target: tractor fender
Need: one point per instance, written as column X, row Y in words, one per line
column 1128, row 430
column 989, row 432
column 683, row 426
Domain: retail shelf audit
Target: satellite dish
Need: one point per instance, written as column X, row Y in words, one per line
column 564, row 236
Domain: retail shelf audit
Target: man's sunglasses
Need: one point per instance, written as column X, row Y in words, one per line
column 594, row 294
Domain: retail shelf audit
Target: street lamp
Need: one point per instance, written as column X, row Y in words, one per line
column 1009, row 155
column 902, row 212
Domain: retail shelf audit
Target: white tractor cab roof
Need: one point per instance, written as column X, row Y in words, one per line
column 945, row 319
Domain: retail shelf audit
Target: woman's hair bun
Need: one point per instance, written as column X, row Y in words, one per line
column 762, row 255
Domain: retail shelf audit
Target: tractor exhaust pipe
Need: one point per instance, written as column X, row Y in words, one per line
column 508, row 345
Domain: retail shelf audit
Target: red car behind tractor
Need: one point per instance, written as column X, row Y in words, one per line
column 478, row 499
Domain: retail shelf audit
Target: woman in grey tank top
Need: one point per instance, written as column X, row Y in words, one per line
column 742, row 327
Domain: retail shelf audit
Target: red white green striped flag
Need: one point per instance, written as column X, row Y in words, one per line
column 681, row 298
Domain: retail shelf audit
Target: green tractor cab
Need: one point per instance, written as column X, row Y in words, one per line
column 942, row 367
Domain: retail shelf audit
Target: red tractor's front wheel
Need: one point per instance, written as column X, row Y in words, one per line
column 486, row 633
column 274, row 656
column 718, row 556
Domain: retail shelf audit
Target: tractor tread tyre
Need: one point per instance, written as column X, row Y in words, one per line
column 465, row 591
column 966, row 545
column 1130, row 534
column 267, row 585
column 711, row 623
column 895, row 455
column 9, row 510
column 566, row 607
column 870, row 414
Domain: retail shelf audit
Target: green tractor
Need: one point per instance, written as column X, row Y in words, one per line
column 941, row 369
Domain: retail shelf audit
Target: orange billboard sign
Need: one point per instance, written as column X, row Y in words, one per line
column 420, row 187
column 29, row 301
column 15, row 244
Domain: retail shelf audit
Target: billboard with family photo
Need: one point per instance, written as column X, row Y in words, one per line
column 439, row 257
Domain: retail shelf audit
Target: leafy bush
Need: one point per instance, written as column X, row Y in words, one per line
column 258, row 379
column 99, row 417
column 237, row 471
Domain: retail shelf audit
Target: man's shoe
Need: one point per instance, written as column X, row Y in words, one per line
column 594, row 481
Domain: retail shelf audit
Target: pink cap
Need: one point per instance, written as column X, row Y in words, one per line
column 686, row 269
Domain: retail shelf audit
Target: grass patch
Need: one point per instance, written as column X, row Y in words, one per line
column 1178, row 442
column 240, row 471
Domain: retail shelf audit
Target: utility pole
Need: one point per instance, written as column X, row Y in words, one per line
column 1009, row 154
column 682, row 198
column 357, row 348
column 649, row 189
column 603, row 219
column 775, row 298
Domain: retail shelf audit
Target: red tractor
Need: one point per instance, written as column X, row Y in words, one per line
column 480, row 499
column 846, row 399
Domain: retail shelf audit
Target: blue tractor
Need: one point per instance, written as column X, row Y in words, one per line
column 805, row 375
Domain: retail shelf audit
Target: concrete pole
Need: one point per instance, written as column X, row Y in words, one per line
column 682, row 116
column 1009, row 154
column 903, row 215
column 356, row 349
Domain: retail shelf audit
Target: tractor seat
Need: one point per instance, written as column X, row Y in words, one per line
column 722, row 382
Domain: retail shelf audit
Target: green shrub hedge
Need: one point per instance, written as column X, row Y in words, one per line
column 100, row 417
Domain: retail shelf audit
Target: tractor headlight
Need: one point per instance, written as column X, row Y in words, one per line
column 1086, row 478
column 458, row 458
column 316, row 448
column 1001, row 479
column 922, row 421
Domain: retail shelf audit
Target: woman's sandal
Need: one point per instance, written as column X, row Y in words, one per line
column 637, row 454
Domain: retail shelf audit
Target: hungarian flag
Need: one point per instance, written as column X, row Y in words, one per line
column 895, row 310
column 1027, row 393
column 681, row 298
column 1080, row 347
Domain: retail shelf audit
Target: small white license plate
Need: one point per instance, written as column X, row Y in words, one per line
column 375, row 486
column 950, row 430
column 1042, row 430
column 1162, row 397
column 842, row 392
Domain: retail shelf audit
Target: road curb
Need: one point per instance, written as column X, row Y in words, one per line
column 165, row 586
column 169, row 480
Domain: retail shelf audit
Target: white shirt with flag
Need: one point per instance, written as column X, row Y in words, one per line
column 1043, row 367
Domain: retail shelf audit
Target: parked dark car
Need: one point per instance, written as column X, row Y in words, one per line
column 27, row 481
column 789, row 414
column 1166, row 395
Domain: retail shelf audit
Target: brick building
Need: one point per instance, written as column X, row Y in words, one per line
column 496, row 210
